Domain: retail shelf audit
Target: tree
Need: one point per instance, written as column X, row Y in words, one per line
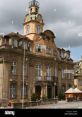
column 61, row 95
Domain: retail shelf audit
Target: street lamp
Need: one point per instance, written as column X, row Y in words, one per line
column 2, row 59
column 23, row 78
column 54, row 88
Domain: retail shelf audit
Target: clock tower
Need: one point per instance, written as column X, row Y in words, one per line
column 33, row 22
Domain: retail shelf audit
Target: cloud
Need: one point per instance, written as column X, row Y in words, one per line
column 63, row 17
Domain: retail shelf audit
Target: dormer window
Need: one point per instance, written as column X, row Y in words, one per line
column 38, row 48
column 25, row 45
column 62, row 55
column 29, row 46
column 48, row 50
column 20, row 43
column 15, row 43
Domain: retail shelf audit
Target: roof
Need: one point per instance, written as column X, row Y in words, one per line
column 77, row 90
column 49, row 32
column 13, row 34
column 72, row 90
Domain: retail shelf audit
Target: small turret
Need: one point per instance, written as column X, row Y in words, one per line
column 33, row 6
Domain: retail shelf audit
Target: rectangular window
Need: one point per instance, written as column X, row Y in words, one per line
column 20, row 43
column 29, row 46
column 24, row 44
column 48, row 50
column 48, row 72
column 62, row 54
column 13, row 68
column 13, row 90
column 56, row 72
column 25, row 69
column 38, row 72
column 25, row 93
column 62, row 73
column 15, row 43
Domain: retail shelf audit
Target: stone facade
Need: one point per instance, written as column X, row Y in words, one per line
column 65, row 70
column 78, row 74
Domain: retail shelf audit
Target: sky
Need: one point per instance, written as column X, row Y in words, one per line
column 63, row 17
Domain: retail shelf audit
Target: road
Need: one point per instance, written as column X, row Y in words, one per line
column 59, row 105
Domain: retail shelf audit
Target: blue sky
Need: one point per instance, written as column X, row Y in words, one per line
column 76, row 53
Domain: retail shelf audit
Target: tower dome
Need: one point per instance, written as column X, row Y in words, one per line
column 34, row 3
column 34, row 6
column 33, row 22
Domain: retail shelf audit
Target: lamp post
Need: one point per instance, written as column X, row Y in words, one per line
column 2, row 59
column 54, row 89
column 23, row 78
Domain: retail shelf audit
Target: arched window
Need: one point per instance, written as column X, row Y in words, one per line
column 28, row 28
column 38, row 29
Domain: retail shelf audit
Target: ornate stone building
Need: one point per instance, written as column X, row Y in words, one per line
column 65, row 70
column 31, row 63
column 78, row 74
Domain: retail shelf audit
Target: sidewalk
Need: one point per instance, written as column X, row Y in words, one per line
column 59, row 105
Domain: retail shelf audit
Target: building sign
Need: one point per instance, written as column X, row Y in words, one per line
column 69, row 71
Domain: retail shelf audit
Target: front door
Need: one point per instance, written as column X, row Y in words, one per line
column 38, row 91
column 49, row 92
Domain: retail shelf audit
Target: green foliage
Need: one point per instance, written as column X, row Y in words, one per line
column 44, row 98
column 61, row 95
column 33, row 97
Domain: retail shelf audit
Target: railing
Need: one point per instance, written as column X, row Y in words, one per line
column 51, row 78
column 15, row 77
column 38, row 78
column 47, row 78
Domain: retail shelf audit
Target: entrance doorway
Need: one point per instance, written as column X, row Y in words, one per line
column 56, row 91
column 49, row 92
column 38, row 91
